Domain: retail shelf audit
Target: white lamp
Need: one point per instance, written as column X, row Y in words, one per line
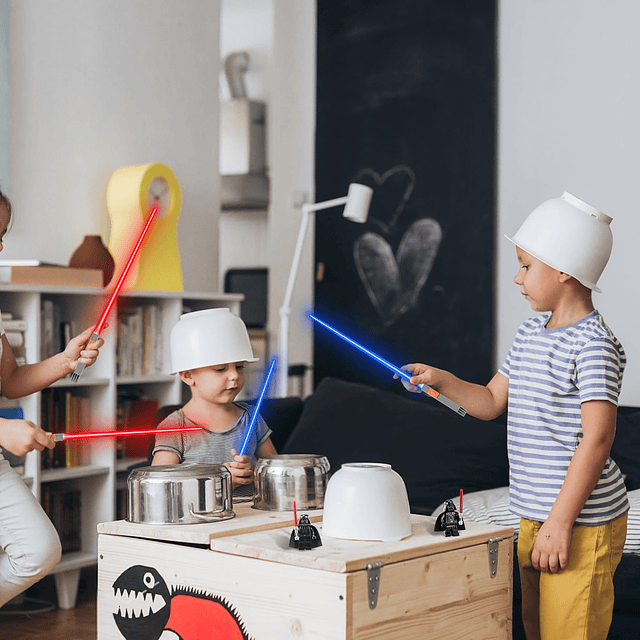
column 356, row 208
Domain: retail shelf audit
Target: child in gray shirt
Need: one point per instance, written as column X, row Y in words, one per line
column 209, row 350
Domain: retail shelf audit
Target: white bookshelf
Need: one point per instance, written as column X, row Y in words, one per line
column 98, row 479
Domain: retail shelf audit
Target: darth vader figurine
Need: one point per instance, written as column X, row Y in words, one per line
column 449, row 521
column 304, row 536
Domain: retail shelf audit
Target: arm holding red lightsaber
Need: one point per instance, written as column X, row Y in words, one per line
column 23, row 380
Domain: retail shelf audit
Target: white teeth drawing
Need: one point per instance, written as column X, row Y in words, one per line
column 134, row 604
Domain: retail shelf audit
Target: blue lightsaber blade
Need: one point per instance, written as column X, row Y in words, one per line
column 257, row 408
column 425, row 388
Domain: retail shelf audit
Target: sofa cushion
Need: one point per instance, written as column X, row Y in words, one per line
column 626, row 445
column 434, row 450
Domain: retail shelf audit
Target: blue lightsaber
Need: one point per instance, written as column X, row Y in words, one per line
column 257, row 408
column 425, row 388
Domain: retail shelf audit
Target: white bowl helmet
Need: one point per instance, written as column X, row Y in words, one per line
column 207, row 338
column 568, row 235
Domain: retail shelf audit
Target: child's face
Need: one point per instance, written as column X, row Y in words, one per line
column 539, row 283
column 220, row 383
column 4, row 222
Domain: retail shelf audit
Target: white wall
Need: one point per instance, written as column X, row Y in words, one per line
column 104, row 84
column 5, row 96
column 280, row 36
column 569, row 105
column 291, row 142
column 246, row 25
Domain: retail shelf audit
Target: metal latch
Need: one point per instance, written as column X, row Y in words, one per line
column 373, row 580
column 492, row 545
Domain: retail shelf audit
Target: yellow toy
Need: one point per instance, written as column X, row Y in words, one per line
column 131, row 195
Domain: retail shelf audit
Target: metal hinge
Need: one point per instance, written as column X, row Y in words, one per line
column 373, row 580
column 492, row 545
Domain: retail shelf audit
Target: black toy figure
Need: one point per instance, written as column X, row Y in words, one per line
column 449, row 521
column 304, row 536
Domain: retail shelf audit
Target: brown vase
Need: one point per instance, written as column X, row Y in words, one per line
column 92, row 254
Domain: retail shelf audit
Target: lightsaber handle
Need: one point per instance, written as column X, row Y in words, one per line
column 80, row 366
column 447, row 402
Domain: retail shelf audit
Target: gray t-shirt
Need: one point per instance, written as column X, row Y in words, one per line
column 212, row 447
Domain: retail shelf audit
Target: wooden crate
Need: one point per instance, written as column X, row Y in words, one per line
column 429, row 586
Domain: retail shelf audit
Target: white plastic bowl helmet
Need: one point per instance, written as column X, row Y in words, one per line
column 209, row 337
column 568, row 235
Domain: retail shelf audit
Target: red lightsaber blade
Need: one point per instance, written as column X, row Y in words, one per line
column 105, row 314
column 59, row 437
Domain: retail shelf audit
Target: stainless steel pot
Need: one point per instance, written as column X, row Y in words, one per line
column 284, row 478
column 180, row 494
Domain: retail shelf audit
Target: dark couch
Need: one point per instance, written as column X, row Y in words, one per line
column 437, row 453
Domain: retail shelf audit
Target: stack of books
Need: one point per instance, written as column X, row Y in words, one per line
column 139, row 349
column 14, row 329
column 63, row 509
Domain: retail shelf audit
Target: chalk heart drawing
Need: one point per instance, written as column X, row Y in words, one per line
column 400, row 177
column 393, row 282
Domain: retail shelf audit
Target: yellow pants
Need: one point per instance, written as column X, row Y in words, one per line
column 577, row 602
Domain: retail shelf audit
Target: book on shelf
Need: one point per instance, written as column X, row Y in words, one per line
column 28, row 262
column 13, row 324
column 53, row 276
column 64, row 509
column 11, row 410
column 15, row 338
column 139, row 348
column 65, row 412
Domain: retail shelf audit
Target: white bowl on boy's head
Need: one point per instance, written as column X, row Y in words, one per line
column 366, row 501
column 207, row 338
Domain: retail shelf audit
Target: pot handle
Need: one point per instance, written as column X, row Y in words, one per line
column 206, row 515
column 245, row 499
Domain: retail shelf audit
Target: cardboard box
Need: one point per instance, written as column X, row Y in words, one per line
column 428, row 585
column 54, row 276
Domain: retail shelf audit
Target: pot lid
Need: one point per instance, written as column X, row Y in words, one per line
column 179, row 471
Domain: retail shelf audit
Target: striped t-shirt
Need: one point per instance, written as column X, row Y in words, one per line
column 551, row 372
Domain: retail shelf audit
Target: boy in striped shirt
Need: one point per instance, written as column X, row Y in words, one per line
column 560, row 384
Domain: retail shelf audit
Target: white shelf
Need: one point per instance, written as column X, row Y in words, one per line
column 145, row 379
column 98, row 479
column 124, row 463
column 76, row 560
column 85, row 380
column 68, row 473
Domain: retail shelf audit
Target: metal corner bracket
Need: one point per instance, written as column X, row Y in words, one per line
column 492, row 546
column 373, row 582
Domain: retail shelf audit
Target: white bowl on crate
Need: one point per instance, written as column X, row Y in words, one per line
column 366, row 501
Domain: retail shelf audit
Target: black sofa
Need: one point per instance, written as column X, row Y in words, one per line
column 437, row 453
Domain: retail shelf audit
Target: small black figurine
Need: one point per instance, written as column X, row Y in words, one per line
column 449, row 521
column 304, row 536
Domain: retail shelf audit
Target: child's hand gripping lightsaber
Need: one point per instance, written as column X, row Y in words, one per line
column 257, row 409
column 425, row 388
column 59, row 437
column 77, row 372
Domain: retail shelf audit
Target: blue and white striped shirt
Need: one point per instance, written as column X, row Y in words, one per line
column 551, row 372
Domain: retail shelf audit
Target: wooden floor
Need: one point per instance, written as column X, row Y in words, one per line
column 76, row 624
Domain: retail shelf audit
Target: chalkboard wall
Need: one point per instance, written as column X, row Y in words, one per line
column 407, row 105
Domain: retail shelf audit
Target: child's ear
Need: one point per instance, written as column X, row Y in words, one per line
column 187, row 377
column 565, row 277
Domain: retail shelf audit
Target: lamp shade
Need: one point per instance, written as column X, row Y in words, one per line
column 358, row 201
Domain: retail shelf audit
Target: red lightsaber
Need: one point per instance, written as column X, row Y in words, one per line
column 59, row 437
column 103, row 318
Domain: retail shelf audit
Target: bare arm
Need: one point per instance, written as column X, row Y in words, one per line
column 484, row 402
column 266, row 449
column 165, row 457
column 19, row 381
column 551, row 549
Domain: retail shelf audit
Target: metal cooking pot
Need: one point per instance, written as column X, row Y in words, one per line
column 179, row 494
column 284, row 478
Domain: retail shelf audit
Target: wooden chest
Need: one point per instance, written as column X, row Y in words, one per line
column 239, row 579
